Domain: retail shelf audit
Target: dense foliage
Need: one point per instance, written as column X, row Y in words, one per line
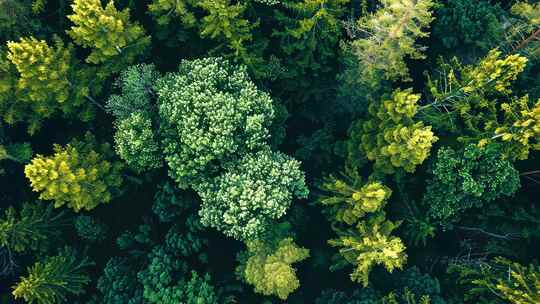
column 269, row 151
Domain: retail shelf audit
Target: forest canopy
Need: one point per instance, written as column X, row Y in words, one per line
column 269, row 151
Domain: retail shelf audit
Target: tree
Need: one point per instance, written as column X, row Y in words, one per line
column 368, row 245
column 390, row 136
column 37, row 81
column 251, row 194
column 54, row 279
column 389, row 36
column 369, row 242
column 90, row 229
column 309, row 35
column 78, row 174
column 136, row 85
column 499, row 278
column 466, row 179
column 107, row 31
column 136, row 144
column 20, row 153
column 348, row 200
column 162, row 11
column 224, row 21
column 467, row 101
column 468, row 28
column 210, row 113
column 33, row 228
column 269, row 268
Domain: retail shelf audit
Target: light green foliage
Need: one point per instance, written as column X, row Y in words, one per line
column 500, row 278
column 43, row 70
column 135, row 139
column 470, row 96
column 21, row 153
column 53, row 279
column 520, row 130
column 136, row 84
column 78, row 174
column 466, row 179
column 349, row 200
column 31, row 229
column 369, row 245
column 35, row 83
column 528, row 11
column 468, row 27
column 270, row 269
column 136, row 144
column 251, row 194
column 89, row 229
column 391, row 38
column 163, row 9
column 224, row 21
column 107, row 31
column 211, row 112
column 522, row 34
column 391, row 137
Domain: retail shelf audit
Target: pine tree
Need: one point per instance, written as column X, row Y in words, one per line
column 34, row 228
column 269, row 269
column 310, row 34
column 37, row 81
column 78, row 174
column 390, row 37
column 224, row 22
column 370, row 244
column 54, row 279
column 107, row 31
column 348, row 199
column 21, row 153
column 391, row 136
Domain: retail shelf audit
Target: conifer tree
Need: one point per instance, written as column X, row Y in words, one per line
column 54, row 279
column 21, row 153
column 224, row 21
column 310, row 34
column 107, row 31
column 391, row 136
column 183, row 9
column 349, row 202
column 38, row 81
column 78, row 175
column 370, row 244
column 269, row 268
column 34, row 228
column 388, row 36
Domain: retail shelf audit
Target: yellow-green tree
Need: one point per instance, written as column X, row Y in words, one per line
column 38, row 80
column 370, row 244
column 107, row 31
column 391, row 37
column 77, row 175
column 391, row 136
column 269, row 268
column 350, row 202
